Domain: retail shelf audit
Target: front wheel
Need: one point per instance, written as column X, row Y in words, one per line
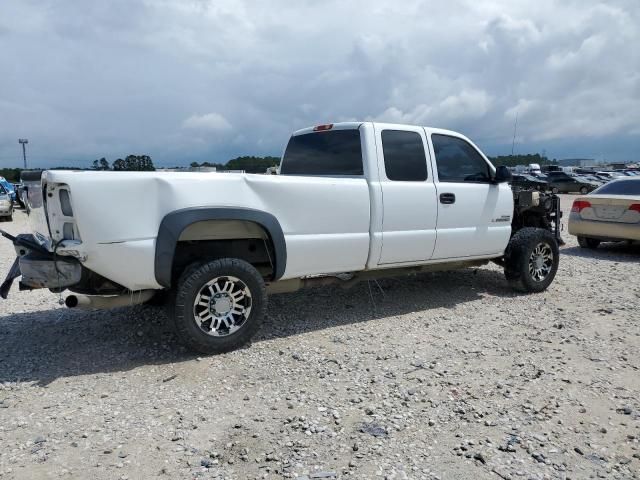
column 219, row 305
column 584, row 190
column 531, row 260
column 554, row 190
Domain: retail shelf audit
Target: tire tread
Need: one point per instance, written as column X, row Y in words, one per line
column 191, row 279
column 517, row 259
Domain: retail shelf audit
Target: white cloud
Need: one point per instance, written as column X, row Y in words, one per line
column 213, row 122
column 86, row 81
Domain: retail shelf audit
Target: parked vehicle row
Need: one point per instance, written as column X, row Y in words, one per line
column 6, row 204
column 560, row 181
column 10, row 194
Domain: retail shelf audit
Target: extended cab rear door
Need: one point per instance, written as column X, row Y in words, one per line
column 409, row 195
column 474, row 214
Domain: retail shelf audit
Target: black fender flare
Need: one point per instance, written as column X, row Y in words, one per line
column 174, row 223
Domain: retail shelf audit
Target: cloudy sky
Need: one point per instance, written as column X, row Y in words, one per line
column 185, row 80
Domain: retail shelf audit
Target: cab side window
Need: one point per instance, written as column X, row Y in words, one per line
column 404, row 157
column 458, row 161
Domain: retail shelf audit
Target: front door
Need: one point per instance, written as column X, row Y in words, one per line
column 474, row 214
column 410, row 207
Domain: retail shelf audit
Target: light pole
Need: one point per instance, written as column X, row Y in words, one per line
column 23, row 142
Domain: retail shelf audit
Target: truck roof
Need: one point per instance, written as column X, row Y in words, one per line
column 354, row 125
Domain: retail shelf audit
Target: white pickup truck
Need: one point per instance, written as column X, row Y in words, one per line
column 351, row 201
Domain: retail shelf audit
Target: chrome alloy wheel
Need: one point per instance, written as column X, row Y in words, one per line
column 541, row 262
column 222, row 306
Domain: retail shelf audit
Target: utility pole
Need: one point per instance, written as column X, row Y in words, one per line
column 23, row 142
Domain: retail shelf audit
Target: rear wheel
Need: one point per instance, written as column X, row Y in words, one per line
column 586, row 242
column 531, row 260
column 554, row 190
column 584, row 190
column 219, row 305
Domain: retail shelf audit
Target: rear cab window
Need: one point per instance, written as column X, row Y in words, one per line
column 324, row 153
column 458, row 161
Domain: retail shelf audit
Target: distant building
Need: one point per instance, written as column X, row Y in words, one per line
column 578, row 162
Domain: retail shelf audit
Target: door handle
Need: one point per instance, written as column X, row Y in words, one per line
column 447, row 198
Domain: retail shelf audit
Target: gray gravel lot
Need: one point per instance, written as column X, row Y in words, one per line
column 445, row 375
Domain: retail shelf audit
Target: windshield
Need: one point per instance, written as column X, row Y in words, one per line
column 620, row 187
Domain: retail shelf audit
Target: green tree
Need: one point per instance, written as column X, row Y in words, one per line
column 252, row 164
column 145, row 164
column 134, row 163
column 101, row 164
column 131, row 163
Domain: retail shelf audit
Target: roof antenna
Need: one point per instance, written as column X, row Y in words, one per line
column 515, row 129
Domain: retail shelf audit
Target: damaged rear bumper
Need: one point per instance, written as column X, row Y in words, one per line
column 38, row 267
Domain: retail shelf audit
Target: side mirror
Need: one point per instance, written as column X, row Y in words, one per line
column 503, row 174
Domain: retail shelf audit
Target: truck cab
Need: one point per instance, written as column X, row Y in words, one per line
column 432, row 192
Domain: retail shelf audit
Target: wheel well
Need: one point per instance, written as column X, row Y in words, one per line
column 214, row 239
column 233, row 229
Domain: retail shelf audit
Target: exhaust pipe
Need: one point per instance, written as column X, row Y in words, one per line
column 90, row 302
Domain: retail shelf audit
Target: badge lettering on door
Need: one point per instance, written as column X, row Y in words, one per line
column 503, row 218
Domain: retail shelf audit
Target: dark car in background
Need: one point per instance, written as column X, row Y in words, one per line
column 562, row 182
column 528, row 182
column 20, row 194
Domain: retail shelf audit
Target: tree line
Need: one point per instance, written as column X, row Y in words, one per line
column 144, row 163
column 11, row 174
column 131, row 163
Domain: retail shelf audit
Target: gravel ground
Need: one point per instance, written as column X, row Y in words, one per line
column 445, row 375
